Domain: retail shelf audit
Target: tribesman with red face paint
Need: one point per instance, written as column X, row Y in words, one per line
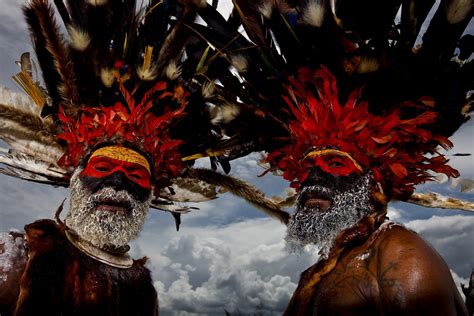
column 121, row 107
column 349, row 111
column 345, row 163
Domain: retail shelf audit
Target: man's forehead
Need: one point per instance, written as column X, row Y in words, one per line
column 121, row 153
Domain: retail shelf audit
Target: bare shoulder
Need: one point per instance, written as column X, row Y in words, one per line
column 400, row 245
column 412, row 275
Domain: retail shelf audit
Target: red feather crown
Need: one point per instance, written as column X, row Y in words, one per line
column 392, row 148
column 129, row 123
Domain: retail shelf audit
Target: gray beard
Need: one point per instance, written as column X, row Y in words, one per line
column 103, row 228
column 309, row 226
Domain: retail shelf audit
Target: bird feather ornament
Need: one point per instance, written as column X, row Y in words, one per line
column 121, row 72
column 369, row 59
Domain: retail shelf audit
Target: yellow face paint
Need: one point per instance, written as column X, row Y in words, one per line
column 329, row 151
column 123, row 154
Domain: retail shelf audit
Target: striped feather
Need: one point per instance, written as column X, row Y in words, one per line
column 29, row 168
column 58, row 51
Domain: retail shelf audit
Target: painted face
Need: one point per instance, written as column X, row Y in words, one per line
column 329, row 169
column 332, row 161
column 120, row 168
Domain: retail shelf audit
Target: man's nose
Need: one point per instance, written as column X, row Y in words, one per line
column 116, row 180
column 316, row 176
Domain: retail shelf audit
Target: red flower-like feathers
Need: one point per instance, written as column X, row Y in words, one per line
column 133, row 123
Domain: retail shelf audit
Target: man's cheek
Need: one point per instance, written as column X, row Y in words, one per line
column 143, row 182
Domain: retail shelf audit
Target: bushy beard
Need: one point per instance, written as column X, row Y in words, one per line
column 104, row 229
column 311, row 226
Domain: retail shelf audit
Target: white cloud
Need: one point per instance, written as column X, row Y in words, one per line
column 238, row 267
column 452, row 237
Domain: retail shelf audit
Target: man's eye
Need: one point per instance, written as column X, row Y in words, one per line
column 336, row 164
column 102, row 168
column 136, row 176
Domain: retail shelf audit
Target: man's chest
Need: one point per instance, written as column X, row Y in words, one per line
column 351, row 288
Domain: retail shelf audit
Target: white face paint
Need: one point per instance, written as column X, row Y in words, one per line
column 310, row 225
column 104, row 228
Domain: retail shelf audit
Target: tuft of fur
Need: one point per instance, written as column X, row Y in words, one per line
column 458, row 10
column 173, row 71
column 208, row 89
column 224, row 113
column 148, row 73
column 200, row 3
column 107, row 77
column 240, row 62
column 96, row 3
column 241, row 189
column 439, row 201
column 80, row 40
column 313, row 13
column 367, row 65
column 266, row 9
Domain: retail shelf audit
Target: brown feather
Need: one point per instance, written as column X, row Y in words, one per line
column 175, row 41
column 34, row 124
column 59, row 52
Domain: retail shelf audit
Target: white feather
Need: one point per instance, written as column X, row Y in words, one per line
column 31, row 164
column 19, row 101
column 48, row 153
column 173, row 71
column 314, row 13
column 80, row 40
column 458, row 10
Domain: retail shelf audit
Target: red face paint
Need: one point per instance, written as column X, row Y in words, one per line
column 101, row 167
column 335, row 164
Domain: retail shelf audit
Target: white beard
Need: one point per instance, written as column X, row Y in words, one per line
column 104, row 228
column 309, row 226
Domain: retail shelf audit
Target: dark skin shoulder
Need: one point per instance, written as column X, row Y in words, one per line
column 412, row 277
column 398, row 274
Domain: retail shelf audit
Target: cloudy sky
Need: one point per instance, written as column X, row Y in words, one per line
column 228, row 256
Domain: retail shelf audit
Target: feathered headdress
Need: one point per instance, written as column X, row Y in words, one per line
column 391, row 146
column 395, row 100
column 122, row 75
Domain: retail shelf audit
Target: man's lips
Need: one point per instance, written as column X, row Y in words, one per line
column 112, row 206
column 317, row 200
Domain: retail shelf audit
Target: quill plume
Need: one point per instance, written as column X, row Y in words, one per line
column 55, row 46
